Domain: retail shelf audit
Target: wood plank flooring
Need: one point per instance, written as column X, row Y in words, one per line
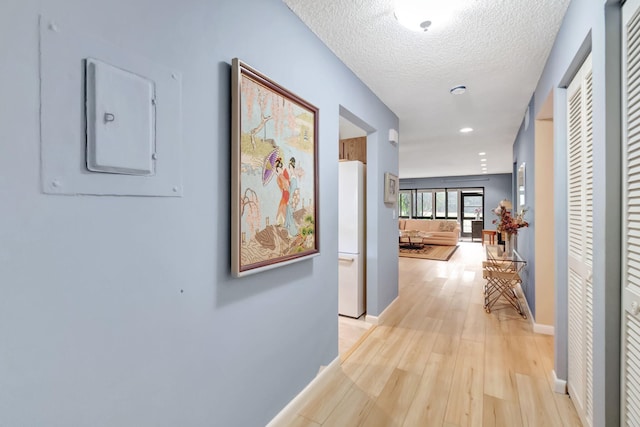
column 350, row 331
column 437, row 359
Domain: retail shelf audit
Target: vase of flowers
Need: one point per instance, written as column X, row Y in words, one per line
column 508, row 244
column 508, row 224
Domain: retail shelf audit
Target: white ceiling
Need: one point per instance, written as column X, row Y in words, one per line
column 496, row 48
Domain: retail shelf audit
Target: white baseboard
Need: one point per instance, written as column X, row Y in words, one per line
column 526, row 305
column 559, row 386
column 288, row 412
column 538, row 328
column 543, row 329
column 375, row 320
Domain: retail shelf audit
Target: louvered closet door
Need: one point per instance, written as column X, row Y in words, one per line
column 631, row 216
column 580, row 211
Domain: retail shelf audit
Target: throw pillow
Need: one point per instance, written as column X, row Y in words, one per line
column 447, row 226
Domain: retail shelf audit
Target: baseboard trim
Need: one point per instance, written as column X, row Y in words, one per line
column 295, row 405
column 543, row 329
column 559, row 386
column 526, row 305
column 538, row 328
column 375, row 320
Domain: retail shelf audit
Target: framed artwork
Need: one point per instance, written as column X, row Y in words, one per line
column 391, row 185
column 274, row 174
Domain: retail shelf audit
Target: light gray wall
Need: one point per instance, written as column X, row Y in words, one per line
column 496, row 188
column 121, row 311
column 523, row 151
column 590, row 26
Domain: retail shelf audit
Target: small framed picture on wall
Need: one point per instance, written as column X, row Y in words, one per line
column 391, row 185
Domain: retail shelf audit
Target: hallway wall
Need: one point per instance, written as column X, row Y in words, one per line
column 523, row 152
column 589, row 26
column 121, row 311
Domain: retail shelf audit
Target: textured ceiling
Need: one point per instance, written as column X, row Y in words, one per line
column 496, row 48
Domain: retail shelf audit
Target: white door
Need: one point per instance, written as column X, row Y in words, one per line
column 630, row 372
column 580, row 211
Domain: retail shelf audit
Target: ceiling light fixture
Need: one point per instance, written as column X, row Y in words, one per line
column 413, row 21
column 458, row 90
column 417, row 15
column 483, row 160
column 482, row 153
column 466, row 130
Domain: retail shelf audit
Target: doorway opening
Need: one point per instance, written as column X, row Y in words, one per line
column 545, row 251
column 352, row 241
column 466, row 205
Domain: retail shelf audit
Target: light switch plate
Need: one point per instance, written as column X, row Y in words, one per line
column 120, row 120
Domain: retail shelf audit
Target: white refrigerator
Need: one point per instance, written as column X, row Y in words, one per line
column 351, row 239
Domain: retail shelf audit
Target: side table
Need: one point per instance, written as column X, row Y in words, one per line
column 476, row 229
column 491, row 234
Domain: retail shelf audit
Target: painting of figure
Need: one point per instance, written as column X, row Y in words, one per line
column 274, row 170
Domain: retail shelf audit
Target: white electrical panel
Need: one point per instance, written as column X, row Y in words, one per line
column 120, row 120
column 110, row 127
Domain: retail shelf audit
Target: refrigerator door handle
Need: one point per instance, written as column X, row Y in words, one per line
column 341, row 258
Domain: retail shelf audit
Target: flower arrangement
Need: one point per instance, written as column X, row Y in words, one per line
column 506, row 222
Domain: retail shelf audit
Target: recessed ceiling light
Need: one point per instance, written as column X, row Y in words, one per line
column 483, row 160
column 482, row 153
column 466, row 130
column 484, row 171
column 458, row 90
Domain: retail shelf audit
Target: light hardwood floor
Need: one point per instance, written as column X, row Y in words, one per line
column 437, row 359
column 350, row 331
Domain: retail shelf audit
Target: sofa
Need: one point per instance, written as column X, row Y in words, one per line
column 440, row 231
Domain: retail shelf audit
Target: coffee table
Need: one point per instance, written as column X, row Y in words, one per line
column 414, row 238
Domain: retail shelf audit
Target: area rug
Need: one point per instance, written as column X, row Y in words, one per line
column 434, row 252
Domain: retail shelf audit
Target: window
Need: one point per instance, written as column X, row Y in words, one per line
column 441, row 204
column 471, row 204
column 424, row 204
column 404, row 203
column 461, row 204
column 452, row 204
